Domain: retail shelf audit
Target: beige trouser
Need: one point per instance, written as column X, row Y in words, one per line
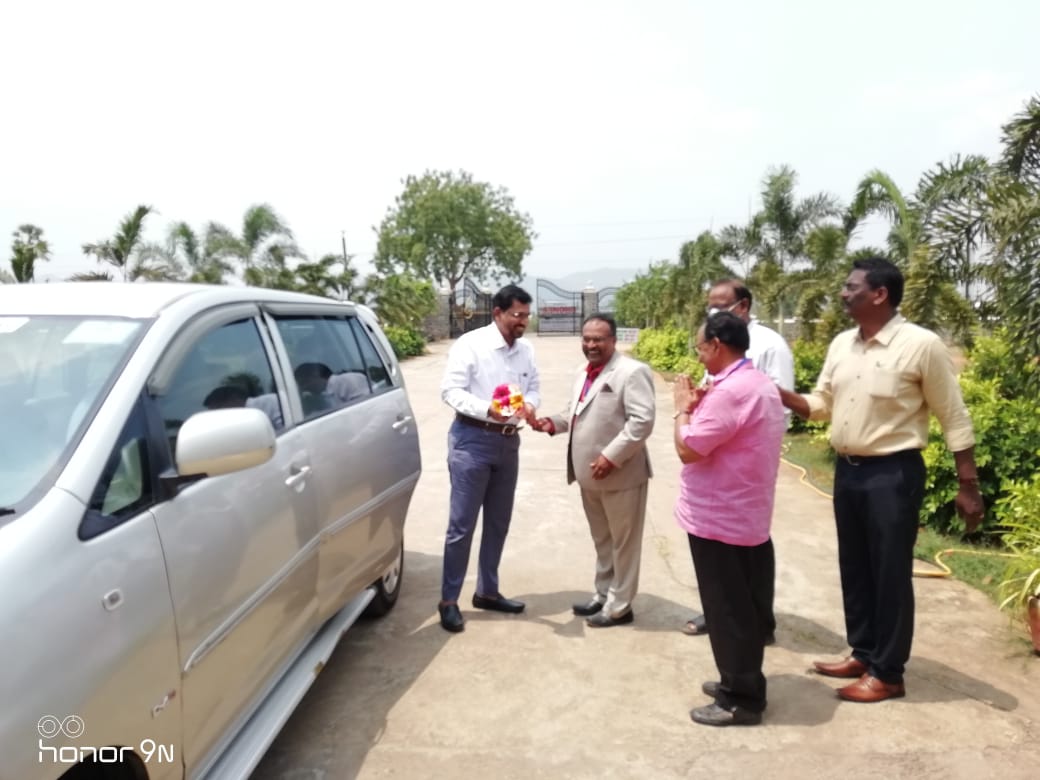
column 616, row 522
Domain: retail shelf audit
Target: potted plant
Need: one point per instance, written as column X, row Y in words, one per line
column 1021, row 586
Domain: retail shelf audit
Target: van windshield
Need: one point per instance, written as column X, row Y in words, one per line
column 53, row 372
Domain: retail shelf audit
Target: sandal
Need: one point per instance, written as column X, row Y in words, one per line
column 695, row 626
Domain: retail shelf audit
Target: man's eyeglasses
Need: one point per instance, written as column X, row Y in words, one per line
column 717, row 309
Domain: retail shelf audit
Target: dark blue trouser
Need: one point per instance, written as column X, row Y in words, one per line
column 483, row 467
column 877, row 506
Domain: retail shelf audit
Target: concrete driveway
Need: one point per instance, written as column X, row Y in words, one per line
column 540, row 695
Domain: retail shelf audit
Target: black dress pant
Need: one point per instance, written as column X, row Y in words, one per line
column 736, row 585
column 877, row 504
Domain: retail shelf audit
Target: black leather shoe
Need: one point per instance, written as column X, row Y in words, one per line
column 603, row 620
column 588, row 608
column 451, row 618
column 711, row 688
column 498, row 603
column 714, row 715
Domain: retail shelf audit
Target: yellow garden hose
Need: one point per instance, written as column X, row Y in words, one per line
column 944, row 569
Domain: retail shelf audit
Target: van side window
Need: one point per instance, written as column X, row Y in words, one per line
column 127, row 484
column 227, row 367
column 374, row 365
column 328, row 367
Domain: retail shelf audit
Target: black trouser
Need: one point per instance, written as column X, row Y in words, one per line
column 877, row 505
column 736, row 586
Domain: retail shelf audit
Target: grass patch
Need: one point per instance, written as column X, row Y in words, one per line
column 980, row 566
column 814, row 456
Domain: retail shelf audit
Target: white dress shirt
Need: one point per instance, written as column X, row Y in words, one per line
column 480, row 361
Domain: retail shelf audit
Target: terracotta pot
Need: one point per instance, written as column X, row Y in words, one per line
column 1033, row 611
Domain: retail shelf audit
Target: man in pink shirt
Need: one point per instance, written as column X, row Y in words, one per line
column 728, row 436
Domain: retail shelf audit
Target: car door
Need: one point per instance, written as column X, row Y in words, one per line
column 364, row 459
column 240, row 548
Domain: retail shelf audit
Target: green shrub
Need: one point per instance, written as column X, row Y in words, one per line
column 407, row 342
column 992, row 358
column 1018, row 510
column 808, row 362
column 668, row 349
column 1007, row 451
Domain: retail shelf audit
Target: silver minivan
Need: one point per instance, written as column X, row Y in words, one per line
column 201, row 489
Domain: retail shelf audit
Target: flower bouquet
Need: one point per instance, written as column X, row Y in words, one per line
column 507, row 400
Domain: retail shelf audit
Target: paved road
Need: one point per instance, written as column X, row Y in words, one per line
column 541, row 696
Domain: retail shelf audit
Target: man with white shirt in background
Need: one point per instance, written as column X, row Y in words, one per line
column 771, row 355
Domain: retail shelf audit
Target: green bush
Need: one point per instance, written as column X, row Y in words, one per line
column 1007, row 452
column 1019, row 512
column 667, row 349
column 407, row 342
column 808, row 362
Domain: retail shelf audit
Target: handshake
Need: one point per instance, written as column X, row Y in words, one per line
column 507, row 403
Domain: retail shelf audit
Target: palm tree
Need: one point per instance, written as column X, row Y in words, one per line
column 91, row 276
column 817, row 288
column 130, row 255
column 952, row 200
column 700, row 264
column 203, row 257
column 785, row 224
column 742, row 244
column 877, row 193
column 27, row 248
column 265, row 244
column 1014, row 227
column 322, row 278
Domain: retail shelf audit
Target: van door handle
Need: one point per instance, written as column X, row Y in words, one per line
column 299, row 473
column 402, row 422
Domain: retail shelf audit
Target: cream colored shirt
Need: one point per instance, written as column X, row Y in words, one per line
column 877, row 394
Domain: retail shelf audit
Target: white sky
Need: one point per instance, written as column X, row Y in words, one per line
column 623, row 128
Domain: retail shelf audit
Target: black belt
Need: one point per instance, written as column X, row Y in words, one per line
column 506, row 429
column 858, row 460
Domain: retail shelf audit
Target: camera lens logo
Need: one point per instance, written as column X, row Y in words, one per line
column 72, row 726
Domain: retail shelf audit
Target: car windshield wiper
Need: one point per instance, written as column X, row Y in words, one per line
column 6, row 511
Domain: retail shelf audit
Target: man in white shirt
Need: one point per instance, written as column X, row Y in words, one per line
column 771, row 355
column 484, row 449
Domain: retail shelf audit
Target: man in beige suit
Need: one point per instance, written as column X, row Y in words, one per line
column 610, row 417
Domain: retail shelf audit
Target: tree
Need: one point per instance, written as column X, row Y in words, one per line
column 1014, row 228
column 399, row 300
column 446, row 226
column 27, row 248
column 205, row 257
column 953, row 203
column 877, row 193
column 265, row 243
column 130, row 255
column 783, row 225
column 642, row 302
column 700, row 264
column 331, row 276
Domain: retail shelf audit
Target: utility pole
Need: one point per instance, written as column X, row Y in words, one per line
column 343, row 238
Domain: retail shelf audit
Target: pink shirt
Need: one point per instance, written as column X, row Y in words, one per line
column 738, row 430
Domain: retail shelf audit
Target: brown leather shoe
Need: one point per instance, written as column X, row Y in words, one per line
column 850, row 667
column 867, row 689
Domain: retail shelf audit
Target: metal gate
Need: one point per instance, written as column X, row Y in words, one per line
column 559, row 311
column 605, row 300
column 469, row 309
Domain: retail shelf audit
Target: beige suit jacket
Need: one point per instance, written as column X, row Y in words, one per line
column 614, row 419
